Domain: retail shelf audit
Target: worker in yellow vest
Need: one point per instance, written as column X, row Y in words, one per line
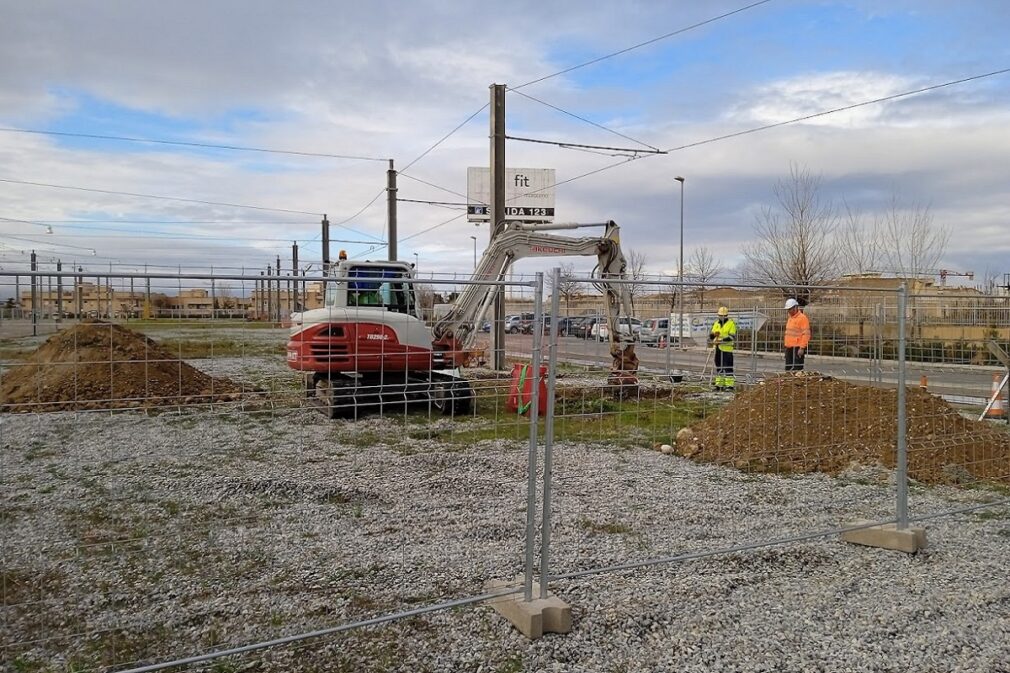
column 723, row 335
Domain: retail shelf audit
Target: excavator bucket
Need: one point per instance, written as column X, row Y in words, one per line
column 624, row 372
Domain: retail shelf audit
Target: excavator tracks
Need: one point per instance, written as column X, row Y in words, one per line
column 348, row 396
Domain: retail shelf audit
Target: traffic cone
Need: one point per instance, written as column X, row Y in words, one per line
column 998, row 408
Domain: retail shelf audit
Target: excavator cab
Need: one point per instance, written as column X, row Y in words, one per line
column 373, row 285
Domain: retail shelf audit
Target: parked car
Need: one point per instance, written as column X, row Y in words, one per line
column 632, row 326
column 583, row 328
column 514, row 324
column 654, row 330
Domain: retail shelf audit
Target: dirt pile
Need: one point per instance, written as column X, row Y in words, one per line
column 98, row 365
column 809, row 422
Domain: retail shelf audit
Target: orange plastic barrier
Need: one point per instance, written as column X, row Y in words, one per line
column 520, row 397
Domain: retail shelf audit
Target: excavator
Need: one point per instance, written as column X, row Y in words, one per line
column 369, row 347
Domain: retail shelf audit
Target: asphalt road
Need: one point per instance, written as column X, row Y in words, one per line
column 967, row 384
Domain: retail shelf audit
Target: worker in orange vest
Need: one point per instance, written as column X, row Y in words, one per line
column 797, row 336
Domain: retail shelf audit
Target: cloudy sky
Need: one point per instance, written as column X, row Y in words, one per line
column 372, row 81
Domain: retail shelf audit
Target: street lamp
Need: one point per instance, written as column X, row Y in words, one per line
column 415, row 262
column 680, row 270
column 474, row 252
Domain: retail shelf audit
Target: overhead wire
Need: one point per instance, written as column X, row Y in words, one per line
column 643, row 44
column 843, row 108
column 583, row 119
column 156, row 141
column 445, row 137
column 154, row 196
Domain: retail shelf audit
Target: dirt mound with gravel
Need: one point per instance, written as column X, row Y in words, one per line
column 99, row 365
column 809, row 422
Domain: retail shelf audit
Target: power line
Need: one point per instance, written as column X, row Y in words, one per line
column 775, row 125
column 577, row 146
column 153, row 196
column 432, row 184
column 844, row 108
column 445, row 137
column 237, row 148
column 643, row 44
column 583, row 119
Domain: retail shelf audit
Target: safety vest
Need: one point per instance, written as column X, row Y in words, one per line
column 725, row 334
column 797, row 331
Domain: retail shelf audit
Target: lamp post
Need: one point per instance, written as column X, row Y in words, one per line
column 474, row 252
column 680, row 269
column 415, row 263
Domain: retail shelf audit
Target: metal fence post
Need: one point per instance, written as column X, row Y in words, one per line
column 552, row 365
column 902, row 449
column 531, row 481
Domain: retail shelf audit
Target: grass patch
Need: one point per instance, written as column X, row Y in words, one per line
column 605, row 527
column 195, row 349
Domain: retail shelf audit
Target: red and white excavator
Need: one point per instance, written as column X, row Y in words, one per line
column 368, row 345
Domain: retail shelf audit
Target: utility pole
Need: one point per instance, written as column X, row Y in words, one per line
column 391, row 208
column 35, row 296
column 326, row 245
column 497, row 220
column 278, row 288
column 294, row 272
column 213, row 294
column 59, row 291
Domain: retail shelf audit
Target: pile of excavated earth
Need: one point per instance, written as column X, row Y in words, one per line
column 99, row 365
column 810, row 422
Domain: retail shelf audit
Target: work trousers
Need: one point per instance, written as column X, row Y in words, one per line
column 723, row 368
column 794, row 361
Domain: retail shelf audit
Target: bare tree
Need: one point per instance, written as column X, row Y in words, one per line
column 703, row 268
column 567, row 288
column 794, row 248
column 635, row 272
column 860, row 248
column 913, row 242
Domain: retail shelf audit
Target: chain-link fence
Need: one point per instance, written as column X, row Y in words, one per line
column 226, row 492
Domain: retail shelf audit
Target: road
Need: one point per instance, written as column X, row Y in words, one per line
column 965, row 384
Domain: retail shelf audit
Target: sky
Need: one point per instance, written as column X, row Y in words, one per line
column 370, row 82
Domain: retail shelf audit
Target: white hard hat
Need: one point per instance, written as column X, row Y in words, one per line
column 791, row 303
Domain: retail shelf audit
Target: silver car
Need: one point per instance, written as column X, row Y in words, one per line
column 654, row 330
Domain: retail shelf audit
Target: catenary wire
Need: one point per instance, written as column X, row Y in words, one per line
column 155, row 141
column 643, row 44
column 445, row 137
column 582, row 119
column 154, row 196
column 844, row 108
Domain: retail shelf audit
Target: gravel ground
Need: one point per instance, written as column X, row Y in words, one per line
column 141, row 538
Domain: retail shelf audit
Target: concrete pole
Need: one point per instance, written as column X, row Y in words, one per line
column 277, row 283
column 35, row 296
column 326, row 245
column 391, row 209
column 497, row 218
column 294, row 272
column 680, row 270
column 59, row 291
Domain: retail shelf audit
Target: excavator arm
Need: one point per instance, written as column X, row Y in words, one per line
column 456, row 331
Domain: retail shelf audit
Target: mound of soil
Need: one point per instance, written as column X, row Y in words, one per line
column 99, row 365
column 809, row 422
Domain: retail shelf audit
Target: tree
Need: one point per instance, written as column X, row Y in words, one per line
column 794, row 248
column 635, row 272
column 859, row 243
column 567, row 288
column 703, row 269
column 913, row 243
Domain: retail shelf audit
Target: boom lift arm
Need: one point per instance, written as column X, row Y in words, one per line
column 455, row 333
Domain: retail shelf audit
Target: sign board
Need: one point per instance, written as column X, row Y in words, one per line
column 698, row 326
column 529, row 194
